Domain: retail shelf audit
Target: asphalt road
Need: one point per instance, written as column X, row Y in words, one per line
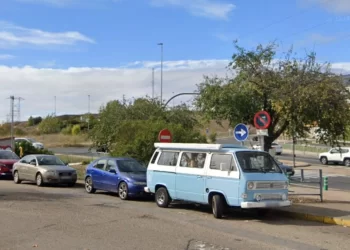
column 68, row 218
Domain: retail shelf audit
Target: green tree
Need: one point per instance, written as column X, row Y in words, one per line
column 296, row 92
column 136, row 138
column 126, row 127
column 30, row 121
column 50, row 125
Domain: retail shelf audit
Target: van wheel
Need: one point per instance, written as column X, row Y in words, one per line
column 218, row 206
column 162, row 197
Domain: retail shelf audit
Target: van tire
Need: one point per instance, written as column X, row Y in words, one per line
column 162, row 197
column 218, row 206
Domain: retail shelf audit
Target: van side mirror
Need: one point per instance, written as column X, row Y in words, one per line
column 224, row 167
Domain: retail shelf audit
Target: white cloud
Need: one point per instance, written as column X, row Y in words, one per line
column 207, row 8
column 38, row 86
column 6, row 57
column 13, row 35
column 339, row 6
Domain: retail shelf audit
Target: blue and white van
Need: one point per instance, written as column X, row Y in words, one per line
column 218, row 175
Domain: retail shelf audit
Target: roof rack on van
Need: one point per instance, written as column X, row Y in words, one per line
column 188, row 146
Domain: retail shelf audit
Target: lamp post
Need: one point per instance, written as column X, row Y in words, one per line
column 161, row 72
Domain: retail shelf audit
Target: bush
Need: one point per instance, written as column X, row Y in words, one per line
column 19, row 132
column 50, row 125
column 212, row 137
column 28, row 149
column 67, row 130
column 76, row 130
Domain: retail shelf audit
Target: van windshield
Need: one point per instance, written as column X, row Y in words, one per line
column 257, row 161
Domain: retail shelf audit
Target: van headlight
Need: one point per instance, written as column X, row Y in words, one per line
column 250, row 185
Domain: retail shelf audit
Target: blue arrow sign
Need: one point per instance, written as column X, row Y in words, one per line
column 241, row 132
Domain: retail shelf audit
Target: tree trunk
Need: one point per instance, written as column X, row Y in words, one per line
column 268, row 142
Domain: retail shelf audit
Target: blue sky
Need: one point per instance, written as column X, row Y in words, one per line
column 117, row 39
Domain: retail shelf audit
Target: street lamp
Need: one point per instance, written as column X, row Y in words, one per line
column 161, row 72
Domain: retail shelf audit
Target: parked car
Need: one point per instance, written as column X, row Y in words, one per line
column 7, row 159
column 286, row 168
column 125, row 176
column 336, row 155
column 43, row 169
column 35, row 144
column 5, row 143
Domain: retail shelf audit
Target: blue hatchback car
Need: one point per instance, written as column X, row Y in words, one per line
column 125, row 176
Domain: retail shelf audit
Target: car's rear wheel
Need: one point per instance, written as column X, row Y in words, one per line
column 89, row 186
column 324, row 160
column 123, row 191
column 16, row 178
column 347, row 162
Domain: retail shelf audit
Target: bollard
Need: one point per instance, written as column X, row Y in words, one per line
column 325, row 183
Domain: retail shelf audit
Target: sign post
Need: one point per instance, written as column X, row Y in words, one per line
column 165, row 136
column 262, row 121
column 241, row 133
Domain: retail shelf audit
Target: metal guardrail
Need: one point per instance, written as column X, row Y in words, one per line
column 307, row 179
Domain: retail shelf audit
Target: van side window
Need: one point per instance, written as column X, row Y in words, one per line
column 168, row 158
column 154, row 158
column 227, row 159
column 193, row 160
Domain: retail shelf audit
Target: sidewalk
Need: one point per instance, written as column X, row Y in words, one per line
column 335, row 209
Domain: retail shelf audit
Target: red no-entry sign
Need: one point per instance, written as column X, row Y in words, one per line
column 165, row 136
column 262, row 120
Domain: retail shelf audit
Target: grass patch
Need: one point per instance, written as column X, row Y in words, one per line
column 75, row 159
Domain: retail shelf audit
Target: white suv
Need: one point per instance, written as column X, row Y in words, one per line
column 336, row 155
column 35, row 144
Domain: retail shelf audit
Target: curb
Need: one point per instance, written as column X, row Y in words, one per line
column 315, row 218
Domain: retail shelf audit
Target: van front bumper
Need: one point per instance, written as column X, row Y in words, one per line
column 265, row 204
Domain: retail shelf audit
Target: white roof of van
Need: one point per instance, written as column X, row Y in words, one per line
column 193, row 146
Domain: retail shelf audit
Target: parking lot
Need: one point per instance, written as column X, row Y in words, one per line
column 68, row 218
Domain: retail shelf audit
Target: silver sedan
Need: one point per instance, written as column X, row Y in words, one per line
column 43, row 169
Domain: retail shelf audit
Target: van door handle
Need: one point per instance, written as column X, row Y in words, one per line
column 198, row 176
column 209, row 177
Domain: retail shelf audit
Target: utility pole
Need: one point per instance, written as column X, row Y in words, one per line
column 161, row 73
column 55, row 107
column 12, row 100
column 152, row 83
